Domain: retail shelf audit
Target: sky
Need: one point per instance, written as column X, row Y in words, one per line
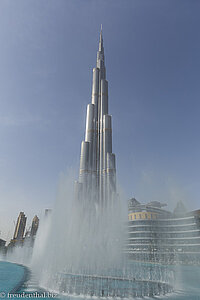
column 48, row 49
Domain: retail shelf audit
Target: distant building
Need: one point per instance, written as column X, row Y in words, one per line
column 2, row 243
column 30, row 234
column 21, row 239
column 156, row 234
column 47, row 212
column 20, row 227
column 2, row 246
column 18, row 238
column 34, row 226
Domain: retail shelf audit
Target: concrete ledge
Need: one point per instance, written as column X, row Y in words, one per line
column 12, row 276
column 25, row 278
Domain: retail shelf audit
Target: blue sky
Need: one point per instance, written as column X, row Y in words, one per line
column 47, row 52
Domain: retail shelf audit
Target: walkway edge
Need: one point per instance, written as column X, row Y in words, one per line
column 25, row 278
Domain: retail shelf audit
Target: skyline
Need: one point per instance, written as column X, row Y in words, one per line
column 47, row 56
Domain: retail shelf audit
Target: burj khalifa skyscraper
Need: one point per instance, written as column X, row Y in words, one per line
column 97, row 175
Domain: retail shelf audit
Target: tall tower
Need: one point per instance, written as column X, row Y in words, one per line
column 34, row 226
column 20, row 227
column 97, row 175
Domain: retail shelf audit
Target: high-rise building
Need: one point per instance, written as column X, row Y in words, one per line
column 97, row 175
column 20, row 227
column 34, row 226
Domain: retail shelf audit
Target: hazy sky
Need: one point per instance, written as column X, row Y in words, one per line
column 48, row 49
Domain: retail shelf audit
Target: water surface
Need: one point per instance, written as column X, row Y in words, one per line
column 186, row 280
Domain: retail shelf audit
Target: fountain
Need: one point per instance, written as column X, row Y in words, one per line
column 81, row 252
column 83, row 255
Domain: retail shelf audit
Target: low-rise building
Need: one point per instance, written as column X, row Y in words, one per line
column 156, row 234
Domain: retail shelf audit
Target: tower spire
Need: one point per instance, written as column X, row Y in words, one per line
column 100, row 56
column 101, row 40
